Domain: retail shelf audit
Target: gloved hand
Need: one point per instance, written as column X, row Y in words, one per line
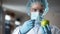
column 28, row 25
column 45, row 26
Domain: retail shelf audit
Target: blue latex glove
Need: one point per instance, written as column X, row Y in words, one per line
column 46, row 29
column 28, row 25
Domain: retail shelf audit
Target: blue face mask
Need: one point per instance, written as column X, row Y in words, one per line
column 36, row 15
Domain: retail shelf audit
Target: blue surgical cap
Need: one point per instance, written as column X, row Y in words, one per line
column 44, row 2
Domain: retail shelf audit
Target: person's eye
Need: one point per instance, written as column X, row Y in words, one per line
column 35, row 10
column 41, row 11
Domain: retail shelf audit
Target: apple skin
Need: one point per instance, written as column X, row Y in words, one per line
column 44, row 22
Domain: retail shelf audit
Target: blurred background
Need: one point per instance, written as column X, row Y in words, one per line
column 13, row 14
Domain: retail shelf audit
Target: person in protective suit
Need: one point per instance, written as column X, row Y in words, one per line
column 36, row 9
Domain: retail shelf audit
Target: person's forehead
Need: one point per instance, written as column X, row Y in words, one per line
column 36, row 6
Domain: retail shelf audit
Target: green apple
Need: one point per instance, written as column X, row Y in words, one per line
column 44, row 22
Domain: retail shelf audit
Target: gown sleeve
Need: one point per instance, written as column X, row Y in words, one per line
column 16, row 30
column 55, row 30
